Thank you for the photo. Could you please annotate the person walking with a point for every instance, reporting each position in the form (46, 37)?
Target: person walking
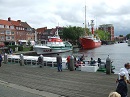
(1, 59)
(122, 85)
(59, 62)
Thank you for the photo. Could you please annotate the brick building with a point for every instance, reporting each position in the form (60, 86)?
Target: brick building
(43, 33)
(108, 28)
(12, 31)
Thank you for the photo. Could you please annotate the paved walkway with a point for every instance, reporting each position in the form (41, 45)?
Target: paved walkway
(47, 82)
(12, 91)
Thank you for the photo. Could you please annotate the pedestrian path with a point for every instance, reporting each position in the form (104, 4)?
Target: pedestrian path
(42, 82)
(13, 90)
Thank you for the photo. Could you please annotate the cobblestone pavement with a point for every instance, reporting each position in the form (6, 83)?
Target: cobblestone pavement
(66, 83)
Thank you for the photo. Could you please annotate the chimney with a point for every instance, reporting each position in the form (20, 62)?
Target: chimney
(19, 21)
(9, 19)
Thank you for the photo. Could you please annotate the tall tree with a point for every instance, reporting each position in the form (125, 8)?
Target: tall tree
(72, 33)
(102, 34)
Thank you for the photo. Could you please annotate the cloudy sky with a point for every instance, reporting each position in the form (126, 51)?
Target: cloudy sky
(50, 13)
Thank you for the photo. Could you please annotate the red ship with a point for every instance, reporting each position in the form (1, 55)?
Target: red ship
(90, 41)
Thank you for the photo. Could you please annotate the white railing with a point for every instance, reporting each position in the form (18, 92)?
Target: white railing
(33, 60)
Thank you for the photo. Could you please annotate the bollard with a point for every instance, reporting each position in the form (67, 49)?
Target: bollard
(5, 58)
(108, 65)
(42, 61)
(71, 67)
(21, 60)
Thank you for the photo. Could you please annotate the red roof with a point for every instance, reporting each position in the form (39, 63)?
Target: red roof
(5, 22)
(10, 22)
(16, 23)
(41, 30)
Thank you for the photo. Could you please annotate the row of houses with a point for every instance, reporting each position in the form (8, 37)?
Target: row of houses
(12, 31)
(16, 31)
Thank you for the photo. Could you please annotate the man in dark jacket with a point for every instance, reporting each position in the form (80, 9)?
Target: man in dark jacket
(59, 62)
(122, 85)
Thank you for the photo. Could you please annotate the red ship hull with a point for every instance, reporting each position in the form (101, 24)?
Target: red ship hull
(89, 43)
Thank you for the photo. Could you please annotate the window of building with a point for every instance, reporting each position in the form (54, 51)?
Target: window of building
(11, 27)
(12, 32)
(2, 32)
(6, 26)
(12, 37)
(17, 28)
(8, 37)
(1, 26)
(2, 38)
(8, 32)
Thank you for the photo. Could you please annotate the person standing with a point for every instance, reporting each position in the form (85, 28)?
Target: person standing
(68, 62)
(10, 51)
(125, 69)
(59, 62)
(1, 59)
(122, 85)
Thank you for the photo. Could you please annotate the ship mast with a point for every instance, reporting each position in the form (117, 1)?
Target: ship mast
(56, 33)
(85, 19)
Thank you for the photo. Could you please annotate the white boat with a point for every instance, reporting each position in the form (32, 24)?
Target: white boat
(93, 66)
(53, 45)
(128, 42)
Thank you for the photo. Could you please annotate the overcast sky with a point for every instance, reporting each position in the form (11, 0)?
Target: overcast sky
(42, 13)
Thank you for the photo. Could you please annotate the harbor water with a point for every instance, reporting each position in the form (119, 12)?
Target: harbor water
(119, 54)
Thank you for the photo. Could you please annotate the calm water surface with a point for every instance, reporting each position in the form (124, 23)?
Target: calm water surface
(119, 54)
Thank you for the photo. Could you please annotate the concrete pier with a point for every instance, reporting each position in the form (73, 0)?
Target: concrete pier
(66, 83)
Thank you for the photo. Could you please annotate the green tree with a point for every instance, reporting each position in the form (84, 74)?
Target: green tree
(102, 34)
(128, 36)
(72, 33)
(120, 35)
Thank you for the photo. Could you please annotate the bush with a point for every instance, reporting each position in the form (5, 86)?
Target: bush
(20, 48)
(12, 46)
(25, 48)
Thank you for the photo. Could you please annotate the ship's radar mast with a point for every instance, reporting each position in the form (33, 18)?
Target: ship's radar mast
(92, 26)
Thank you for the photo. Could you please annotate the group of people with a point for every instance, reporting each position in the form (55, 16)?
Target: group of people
(122, 81)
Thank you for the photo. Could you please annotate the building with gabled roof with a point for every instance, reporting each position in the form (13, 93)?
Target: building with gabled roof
(12, 31)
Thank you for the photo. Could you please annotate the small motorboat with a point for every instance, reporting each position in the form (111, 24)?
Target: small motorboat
(92, 66)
